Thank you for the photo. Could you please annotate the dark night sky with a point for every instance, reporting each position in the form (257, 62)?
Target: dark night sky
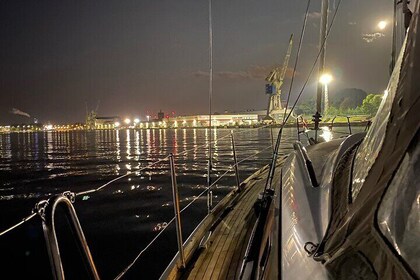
(135, 56)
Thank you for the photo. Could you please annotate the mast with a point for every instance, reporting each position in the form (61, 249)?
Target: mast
(210, 101)
(394, 39)
(322, 45)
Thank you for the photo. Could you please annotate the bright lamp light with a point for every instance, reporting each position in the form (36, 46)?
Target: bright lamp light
(382, 24)
(325, 79)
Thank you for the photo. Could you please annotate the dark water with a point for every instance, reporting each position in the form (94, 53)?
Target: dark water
(120, 220)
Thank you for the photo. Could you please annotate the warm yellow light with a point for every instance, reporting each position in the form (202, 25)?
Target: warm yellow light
(382, 24)
(116, 124)
(127, 121)
(325, 79)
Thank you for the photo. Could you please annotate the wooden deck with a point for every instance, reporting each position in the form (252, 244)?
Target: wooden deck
(222, 259)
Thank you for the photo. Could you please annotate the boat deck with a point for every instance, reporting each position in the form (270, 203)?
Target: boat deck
(222, 259)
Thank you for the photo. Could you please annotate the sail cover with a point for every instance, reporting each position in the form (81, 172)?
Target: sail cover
(357, 242)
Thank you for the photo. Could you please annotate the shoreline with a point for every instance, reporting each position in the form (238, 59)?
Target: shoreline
(288, 125)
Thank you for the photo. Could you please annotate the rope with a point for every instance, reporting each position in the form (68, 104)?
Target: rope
(210, 87)
(24, 220)
(121, 274)
(29, 217)
(217, 139)
(302, 33)
(154, 163)
(279, 135)
(144, 250)
(120, 177)
(316, 60)
(32, 215)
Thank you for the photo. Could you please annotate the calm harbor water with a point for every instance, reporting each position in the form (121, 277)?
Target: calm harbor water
(121, 219)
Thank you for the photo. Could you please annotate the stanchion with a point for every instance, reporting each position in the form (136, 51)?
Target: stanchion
(176, 210)
(235, 160)
(348, 123)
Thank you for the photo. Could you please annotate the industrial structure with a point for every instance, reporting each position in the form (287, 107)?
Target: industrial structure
(273, 88)
(91, 117)
(107, 122)
(225, 120)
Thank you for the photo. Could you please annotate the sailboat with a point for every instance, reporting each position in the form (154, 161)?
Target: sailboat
(349, 208)
(344, 209)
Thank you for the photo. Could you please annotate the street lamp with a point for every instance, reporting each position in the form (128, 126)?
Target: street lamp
(136, 120)
(148, 118)
(325, 79)
(127, 121)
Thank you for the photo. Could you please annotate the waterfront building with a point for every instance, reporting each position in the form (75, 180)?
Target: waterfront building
(107, 122)
(220, 120)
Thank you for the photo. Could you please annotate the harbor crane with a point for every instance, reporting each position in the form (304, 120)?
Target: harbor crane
(91, 117)
(273, 88)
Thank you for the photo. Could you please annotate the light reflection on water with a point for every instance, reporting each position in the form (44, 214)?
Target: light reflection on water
(123, 218)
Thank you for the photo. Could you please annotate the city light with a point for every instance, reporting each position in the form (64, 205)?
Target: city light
(148, 118)
(382, 24)
(117, 124)
(325, 79)
(136, 120)
(127, 121)
(48, 126)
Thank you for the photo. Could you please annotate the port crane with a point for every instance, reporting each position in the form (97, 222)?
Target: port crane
(273, 88)
(91, 117)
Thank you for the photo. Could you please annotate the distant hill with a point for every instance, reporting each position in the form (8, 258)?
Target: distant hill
(348, 98)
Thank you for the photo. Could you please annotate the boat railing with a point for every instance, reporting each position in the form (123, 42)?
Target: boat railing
(303, 128)
(46, 210)
(300, 121)
(348, 122)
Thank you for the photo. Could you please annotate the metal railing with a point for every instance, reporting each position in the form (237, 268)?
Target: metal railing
(348, 122)
(46, 210)
(304, 131)
(300, 122)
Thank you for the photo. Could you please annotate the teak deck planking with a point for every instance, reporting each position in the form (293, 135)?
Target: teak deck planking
(226, 247)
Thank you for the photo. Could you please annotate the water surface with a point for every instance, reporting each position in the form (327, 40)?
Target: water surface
(121, 219)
